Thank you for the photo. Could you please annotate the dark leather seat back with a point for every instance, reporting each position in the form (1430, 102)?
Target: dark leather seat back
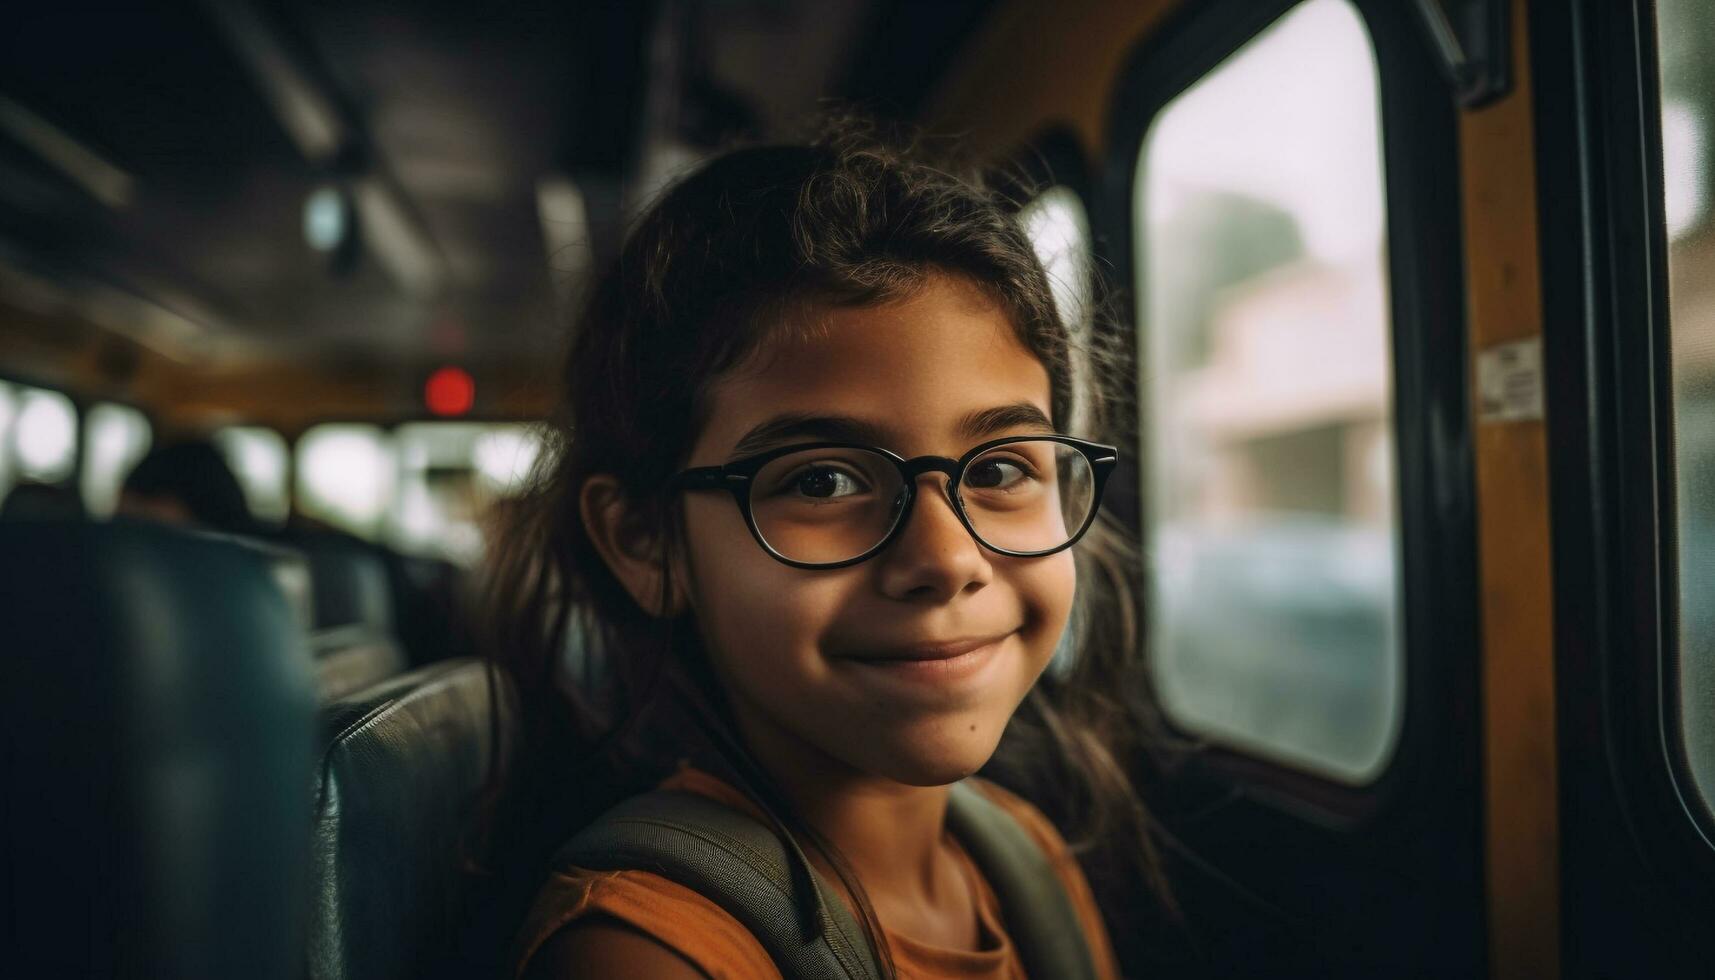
(351, 658)
(400, 793)
(350, 582)
(352, 634)
(159, 722)
(432, 609)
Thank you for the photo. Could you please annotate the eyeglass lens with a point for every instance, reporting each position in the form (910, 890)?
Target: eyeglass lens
(822, 506)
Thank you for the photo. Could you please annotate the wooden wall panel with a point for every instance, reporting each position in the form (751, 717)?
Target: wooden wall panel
(1505, 307)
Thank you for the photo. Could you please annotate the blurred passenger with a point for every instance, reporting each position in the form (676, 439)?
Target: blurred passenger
(188, 483)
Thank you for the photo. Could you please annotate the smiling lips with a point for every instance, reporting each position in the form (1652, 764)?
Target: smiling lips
(938, 650)
(925, 667)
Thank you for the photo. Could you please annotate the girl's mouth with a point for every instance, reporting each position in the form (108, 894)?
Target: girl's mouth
(939, 663)
(933, 650)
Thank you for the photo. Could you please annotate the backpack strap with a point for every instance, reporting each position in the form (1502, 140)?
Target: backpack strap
(741, 865)
(1039, 915)
(736, 862)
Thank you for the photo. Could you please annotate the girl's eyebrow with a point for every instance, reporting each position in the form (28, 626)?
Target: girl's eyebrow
(834, 428)
(844, 428)
(1018, 415)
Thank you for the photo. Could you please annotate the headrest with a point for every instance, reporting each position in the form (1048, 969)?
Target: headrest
(349, 580)
(292, 573)
(400, 794)
(352, 658)
(349, 590)
(431, 608)
(159, 721)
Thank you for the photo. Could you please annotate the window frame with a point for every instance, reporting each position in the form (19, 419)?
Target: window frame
(1432, 420)
(1608, 360)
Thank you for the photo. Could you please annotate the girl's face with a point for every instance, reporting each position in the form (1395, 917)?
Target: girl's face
(804, 654)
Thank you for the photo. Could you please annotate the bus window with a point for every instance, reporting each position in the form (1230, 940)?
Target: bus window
(1687, 52)
(8, 415)
(259, 458)
(1059, 229)
(115, 437)
(449, 474)
(41, 441)
(1058, 226)
(1271, 508)
(345, 476)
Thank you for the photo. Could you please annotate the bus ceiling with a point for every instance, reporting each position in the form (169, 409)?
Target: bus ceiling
(202, 202)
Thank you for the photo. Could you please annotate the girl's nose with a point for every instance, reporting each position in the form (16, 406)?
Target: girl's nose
(934, 558)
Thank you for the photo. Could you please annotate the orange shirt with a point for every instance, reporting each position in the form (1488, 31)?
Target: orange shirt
(703, 933)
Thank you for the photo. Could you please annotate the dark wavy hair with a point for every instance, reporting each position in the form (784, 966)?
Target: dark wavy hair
(848, 219)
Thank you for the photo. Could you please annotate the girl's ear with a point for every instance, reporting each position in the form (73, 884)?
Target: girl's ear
(630, 544)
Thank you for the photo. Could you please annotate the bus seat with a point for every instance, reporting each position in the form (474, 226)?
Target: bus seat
(401, 779)
(352, 630)
(42, 501)
(353, 657)
(160, 720)
(291, 572)
(431, 607)
(349, 581)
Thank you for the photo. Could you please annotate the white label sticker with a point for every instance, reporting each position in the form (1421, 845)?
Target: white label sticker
(1509, 382)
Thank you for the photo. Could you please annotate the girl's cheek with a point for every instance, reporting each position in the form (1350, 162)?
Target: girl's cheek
(1047, 588)
(747, 602)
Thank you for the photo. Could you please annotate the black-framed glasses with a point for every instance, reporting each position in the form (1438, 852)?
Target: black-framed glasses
(833, 504)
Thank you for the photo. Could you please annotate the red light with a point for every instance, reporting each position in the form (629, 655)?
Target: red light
(449, 391)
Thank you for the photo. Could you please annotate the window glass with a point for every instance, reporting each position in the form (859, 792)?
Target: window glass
(450, 473)
(346, 476)
(8, 416)
(1058, 226)
(1059, 229)
(1687, 49)
(1267, 412)
(259, 459)
(115, 437)
(43, 441)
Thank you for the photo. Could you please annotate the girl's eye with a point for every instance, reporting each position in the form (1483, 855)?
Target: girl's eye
(997, 473)
(825, 483)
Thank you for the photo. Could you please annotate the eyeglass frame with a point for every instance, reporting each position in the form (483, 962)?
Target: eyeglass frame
(738, 475)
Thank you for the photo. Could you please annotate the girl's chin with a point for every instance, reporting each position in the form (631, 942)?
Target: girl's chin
(921, 765)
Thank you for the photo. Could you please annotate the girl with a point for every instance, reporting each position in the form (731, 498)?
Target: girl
(812, 506)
